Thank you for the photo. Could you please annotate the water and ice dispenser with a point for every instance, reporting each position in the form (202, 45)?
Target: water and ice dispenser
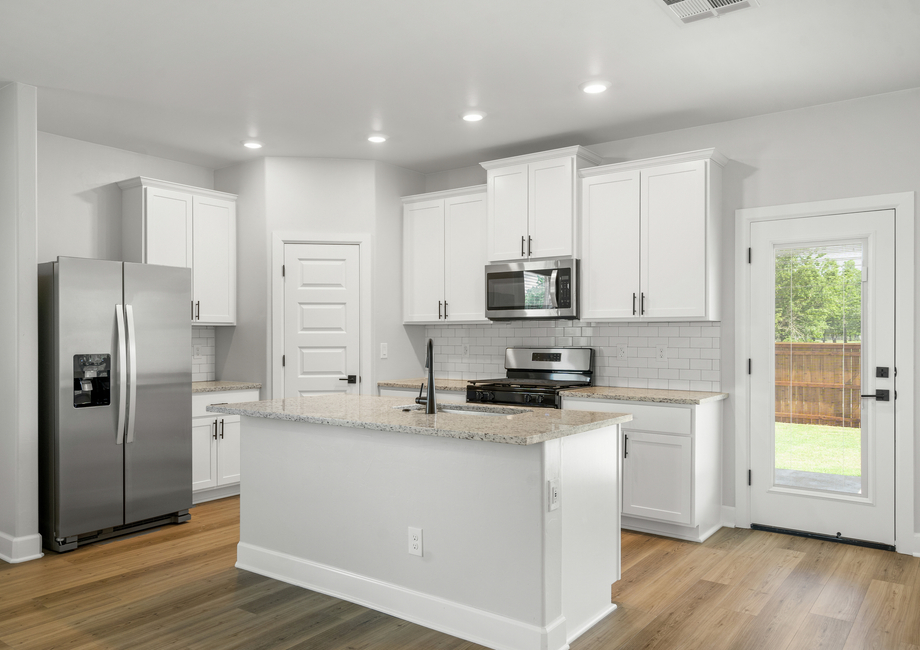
(91, 380)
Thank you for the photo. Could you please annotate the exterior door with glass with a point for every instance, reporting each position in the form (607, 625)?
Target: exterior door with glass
(822, 375)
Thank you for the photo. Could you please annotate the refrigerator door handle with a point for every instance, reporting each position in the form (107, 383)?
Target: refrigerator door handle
(132, 370)
(122, 374)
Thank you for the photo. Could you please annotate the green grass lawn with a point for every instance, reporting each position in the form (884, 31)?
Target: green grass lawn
(814, 448)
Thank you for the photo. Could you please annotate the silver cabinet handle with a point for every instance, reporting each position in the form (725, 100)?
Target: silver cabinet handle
(122, 374)
(439, 310)
(634, 303)
(522, 246)
(132, 372)
(221, 428)
(197, 310)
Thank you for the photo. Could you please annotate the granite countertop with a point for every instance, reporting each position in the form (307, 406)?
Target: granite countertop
(458, 385)
(662, 396)
(518, 426)
(218, 386)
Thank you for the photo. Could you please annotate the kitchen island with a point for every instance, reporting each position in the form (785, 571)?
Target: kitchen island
(517, 512)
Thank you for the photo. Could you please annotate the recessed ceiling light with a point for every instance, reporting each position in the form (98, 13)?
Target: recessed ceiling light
(252, 144)
(377, 137)
(595, 87)
(473, 116)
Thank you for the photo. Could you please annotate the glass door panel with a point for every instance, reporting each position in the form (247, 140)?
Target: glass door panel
(819, 440)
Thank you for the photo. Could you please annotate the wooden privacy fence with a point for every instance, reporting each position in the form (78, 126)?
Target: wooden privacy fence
(818, 383)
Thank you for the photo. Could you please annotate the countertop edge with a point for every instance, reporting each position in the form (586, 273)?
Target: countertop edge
(221, 387)
(615, 418)
(614, 397)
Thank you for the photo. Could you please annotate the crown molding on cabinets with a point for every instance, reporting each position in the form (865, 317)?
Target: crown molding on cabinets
(644, 163)
(577, 151)
(444, 194)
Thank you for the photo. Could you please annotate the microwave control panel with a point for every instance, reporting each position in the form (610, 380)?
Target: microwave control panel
(564, 297)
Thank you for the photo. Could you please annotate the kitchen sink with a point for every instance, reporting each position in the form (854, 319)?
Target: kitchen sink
(468, 409)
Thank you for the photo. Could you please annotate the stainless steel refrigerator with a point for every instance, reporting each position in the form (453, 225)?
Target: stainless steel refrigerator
(115, 399)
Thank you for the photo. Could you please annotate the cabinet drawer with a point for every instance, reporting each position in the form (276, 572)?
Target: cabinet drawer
(669, 419)
(202, 400)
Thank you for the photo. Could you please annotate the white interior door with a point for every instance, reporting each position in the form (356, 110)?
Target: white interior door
(822, 335)
(321, 319)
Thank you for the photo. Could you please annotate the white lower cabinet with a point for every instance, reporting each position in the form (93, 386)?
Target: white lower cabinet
(671, 466)
(216, 445)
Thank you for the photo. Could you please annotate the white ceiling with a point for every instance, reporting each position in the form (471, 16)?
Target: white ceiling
(190, 79)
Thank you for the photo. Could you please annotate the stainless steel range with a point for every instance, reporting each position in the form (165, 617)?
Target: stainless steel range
(535, 377)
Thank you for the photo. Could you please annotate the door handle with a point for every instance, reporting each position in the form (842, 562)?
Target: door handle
(351, 379)
(445, 310)
(625, 445)
(197, 310)
(215, 429)
(439, 310)
(634, 303)
(529, 242)
(221, 428)
(132, 372)
(881, 395)
(522, 246)
(642, 305)
(553, 282)
(122, 374)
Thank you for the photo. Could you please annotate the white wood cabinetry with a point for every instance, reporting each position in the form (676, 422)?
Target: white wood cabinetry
(672, 470)
(533, 204)
(444, 256)
(651, 238)
(177, 225)
(216, 445)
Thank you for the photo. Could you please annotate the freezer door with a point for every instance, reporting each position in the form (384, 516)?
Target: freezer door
(158, 440)
(87, 493)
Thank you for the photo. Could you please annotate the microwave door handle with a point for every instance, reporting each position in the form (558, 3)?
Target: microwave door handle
(553, 279)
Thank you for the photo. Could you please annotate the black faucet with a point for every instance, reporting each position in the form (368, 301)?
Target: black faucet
(429, 401)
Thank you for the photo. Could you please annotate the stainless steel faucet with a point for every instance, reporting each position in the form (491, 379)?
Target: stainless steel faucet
(429, 400)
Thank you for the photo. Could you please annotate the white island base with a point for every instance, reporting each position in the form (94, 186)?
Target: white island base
(328, 508)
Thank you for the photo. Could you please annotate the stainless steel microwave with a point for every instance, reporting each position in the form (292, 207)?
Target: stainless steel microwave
(545, 289)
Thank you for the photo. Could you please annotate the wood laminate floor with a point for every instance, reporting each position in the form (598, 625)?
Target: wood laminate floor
(176, 587)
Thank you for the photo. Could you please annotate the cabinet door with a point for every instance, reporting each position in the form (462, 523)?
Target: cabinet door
(228, 450)
(507, 213)
(168, 232)
(465, 257)
(423, 261)
(657, 476)
(551, 208)
(214, 260)
(204, 453)
(610, 246)
(673, 250)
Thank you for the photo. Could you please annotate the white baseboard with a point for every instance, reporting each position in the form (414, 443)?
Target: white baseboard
(436, 613)
(677, 531)
(20, 549)
(728, 516)
(212, 494)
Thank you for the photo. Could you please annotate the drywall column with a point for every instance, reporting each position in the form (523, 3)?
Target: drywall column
(19, 538)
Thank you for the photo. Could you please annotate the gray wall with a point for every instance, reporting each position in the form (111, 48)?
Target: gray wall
(19, 539)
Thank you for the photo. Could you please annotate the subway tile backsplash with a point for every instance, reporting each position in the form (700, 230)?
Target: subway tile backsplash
(691, 350)
(203, 366)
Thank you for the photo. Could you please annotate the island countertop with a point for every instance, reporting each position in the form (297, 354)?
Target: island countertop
(518, 426)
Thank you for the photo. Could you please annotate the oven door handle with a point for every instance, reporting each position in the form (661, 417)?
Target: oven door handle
(553, 279)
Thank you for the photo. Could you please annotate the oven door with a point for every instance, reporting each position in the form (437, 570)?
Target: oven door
(534, 289)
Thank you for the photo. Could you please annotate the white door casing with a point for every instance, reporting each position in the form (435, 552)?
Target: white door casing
(869, 513)
(321, 318)
(903, 204)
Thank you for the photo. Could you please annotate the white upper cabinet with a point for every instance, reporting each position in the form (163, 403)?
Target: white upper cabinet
(533, 204)
(444, 256)
(177, 225)
(651, 239)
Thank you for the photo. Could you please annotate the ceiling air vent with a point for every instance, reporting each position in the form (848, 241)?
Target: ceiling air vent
(688, 11)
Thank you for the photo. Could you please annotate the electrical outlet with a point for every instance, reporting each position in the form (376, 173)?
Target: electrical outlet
(553, 485)
(661, 352)
(621, 352)
(197, 351)
(415, 541)
(383, 350)
(466, 350)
